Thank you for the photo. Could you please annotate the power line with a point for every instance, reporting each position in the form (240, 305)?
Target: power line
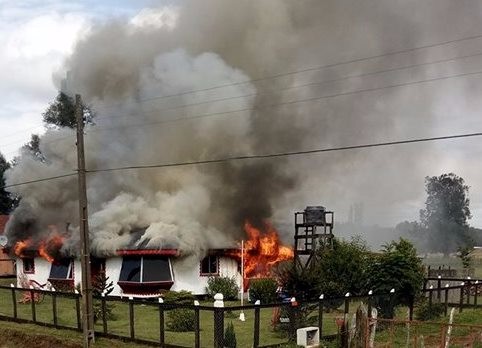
(310, 84)
(254, 157)
(39, 180)
(282, 103)
(291, 73)
(268, 106)
(291, 153)
(321, 67)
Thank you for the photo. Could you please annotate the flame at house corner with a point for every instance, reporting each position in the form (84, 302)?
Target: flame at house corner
(49, 249)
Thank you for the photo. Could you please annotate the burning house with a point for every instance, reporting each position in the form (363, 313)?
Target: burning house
(140, 270)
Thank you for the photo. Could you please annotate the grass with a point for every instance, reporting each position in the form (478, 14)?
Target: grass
(16, 335)
(146, 319)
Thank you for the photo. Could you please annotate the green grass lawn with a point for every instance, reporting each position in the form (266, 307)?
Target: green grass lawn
(146, 319)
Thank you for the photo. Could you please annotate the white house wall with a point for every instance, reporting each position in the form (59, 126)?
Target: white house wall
(186, 273)
(113, 267)
(41, 274)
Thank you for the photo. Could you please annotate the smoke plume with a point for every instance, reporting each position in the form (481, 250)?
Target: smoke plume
(121, 69)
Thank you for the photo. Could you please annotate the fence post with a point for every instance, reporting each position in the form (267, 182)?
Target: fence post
(468, 290)
(430, 293)
(197, 334)
(104, 318)
(54, 306)
(461, 302)
(370, 294)
(161, 323)
(410, 307)
(320, 315)
(446, 299)
(77, 309)
(439, 289)
(14, 301)
(476, 292)
(292, 318)
(344, 334)
(218, 321)
(32, 301)
(256, 324)
(131, 316)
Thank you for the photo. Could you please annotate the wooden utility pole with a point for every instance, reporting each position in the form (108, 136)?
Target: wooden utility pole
(87, 312)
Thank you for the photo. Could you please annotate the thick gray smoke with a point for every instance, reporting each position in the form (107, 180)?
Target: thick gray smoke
(127, 66)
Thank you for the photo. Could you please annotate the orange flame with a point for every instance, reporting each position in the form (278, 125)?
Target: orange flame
(262, 251)
(46, 248)
(20, 246)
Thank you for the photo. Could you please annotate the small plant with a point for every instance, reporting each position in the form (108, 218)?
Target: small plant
(427, 311)
(180, 319)
(223, 285)
(230, 336)
(465, 255)
(263, 290)
(102, 285)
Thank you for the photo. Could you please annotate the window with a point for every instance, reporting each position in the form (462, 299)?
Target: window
(61, 269)
(209, 266)
(144, 274)
(28, 265)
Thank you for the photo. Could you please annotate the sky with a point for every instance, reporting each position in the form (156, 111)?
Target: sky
(37, 36)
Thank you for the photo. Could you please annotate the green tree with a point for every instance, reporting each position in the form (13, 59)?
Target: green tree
(61, 112)
(399, 268)
(446, 212)
(342, 269)
(6, 201)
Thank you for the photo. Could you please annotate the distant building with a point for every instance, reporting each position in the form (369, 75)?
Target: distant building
(7, 264)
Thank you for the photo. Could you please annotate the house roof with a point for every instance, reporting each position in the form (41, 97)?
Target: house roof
(3, 223)
(139, 246)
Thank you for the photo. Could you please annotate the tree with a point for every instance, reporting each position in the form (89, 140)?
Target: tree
(399, 268)
(446, 212)
(6, 202)
(333, 273)
(61, 113)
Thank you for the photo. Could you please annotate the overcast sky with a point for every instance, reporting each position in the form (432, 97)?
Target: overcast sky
(36, 36)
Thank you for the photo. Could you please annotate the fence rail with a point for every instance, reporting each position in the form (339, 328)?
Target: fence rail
(146, 320)
(267, 325)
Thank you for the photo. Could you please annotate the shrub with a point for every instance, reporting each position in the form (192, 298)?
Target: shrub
(180, 319)
(102, 285)
(224, 285)
(427, 311)
(230, 336)
(179, 297)
(263, 290)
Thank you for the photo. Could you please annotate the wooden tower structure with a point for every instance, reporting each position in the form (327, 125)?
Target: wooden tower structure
(313, 229)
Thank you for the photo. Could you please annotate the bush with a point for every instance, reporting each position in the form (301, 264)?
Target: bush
(230, 336)
(179, 297)
(224, 285)
(263, 290)
(427, 311)
(181, 319)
